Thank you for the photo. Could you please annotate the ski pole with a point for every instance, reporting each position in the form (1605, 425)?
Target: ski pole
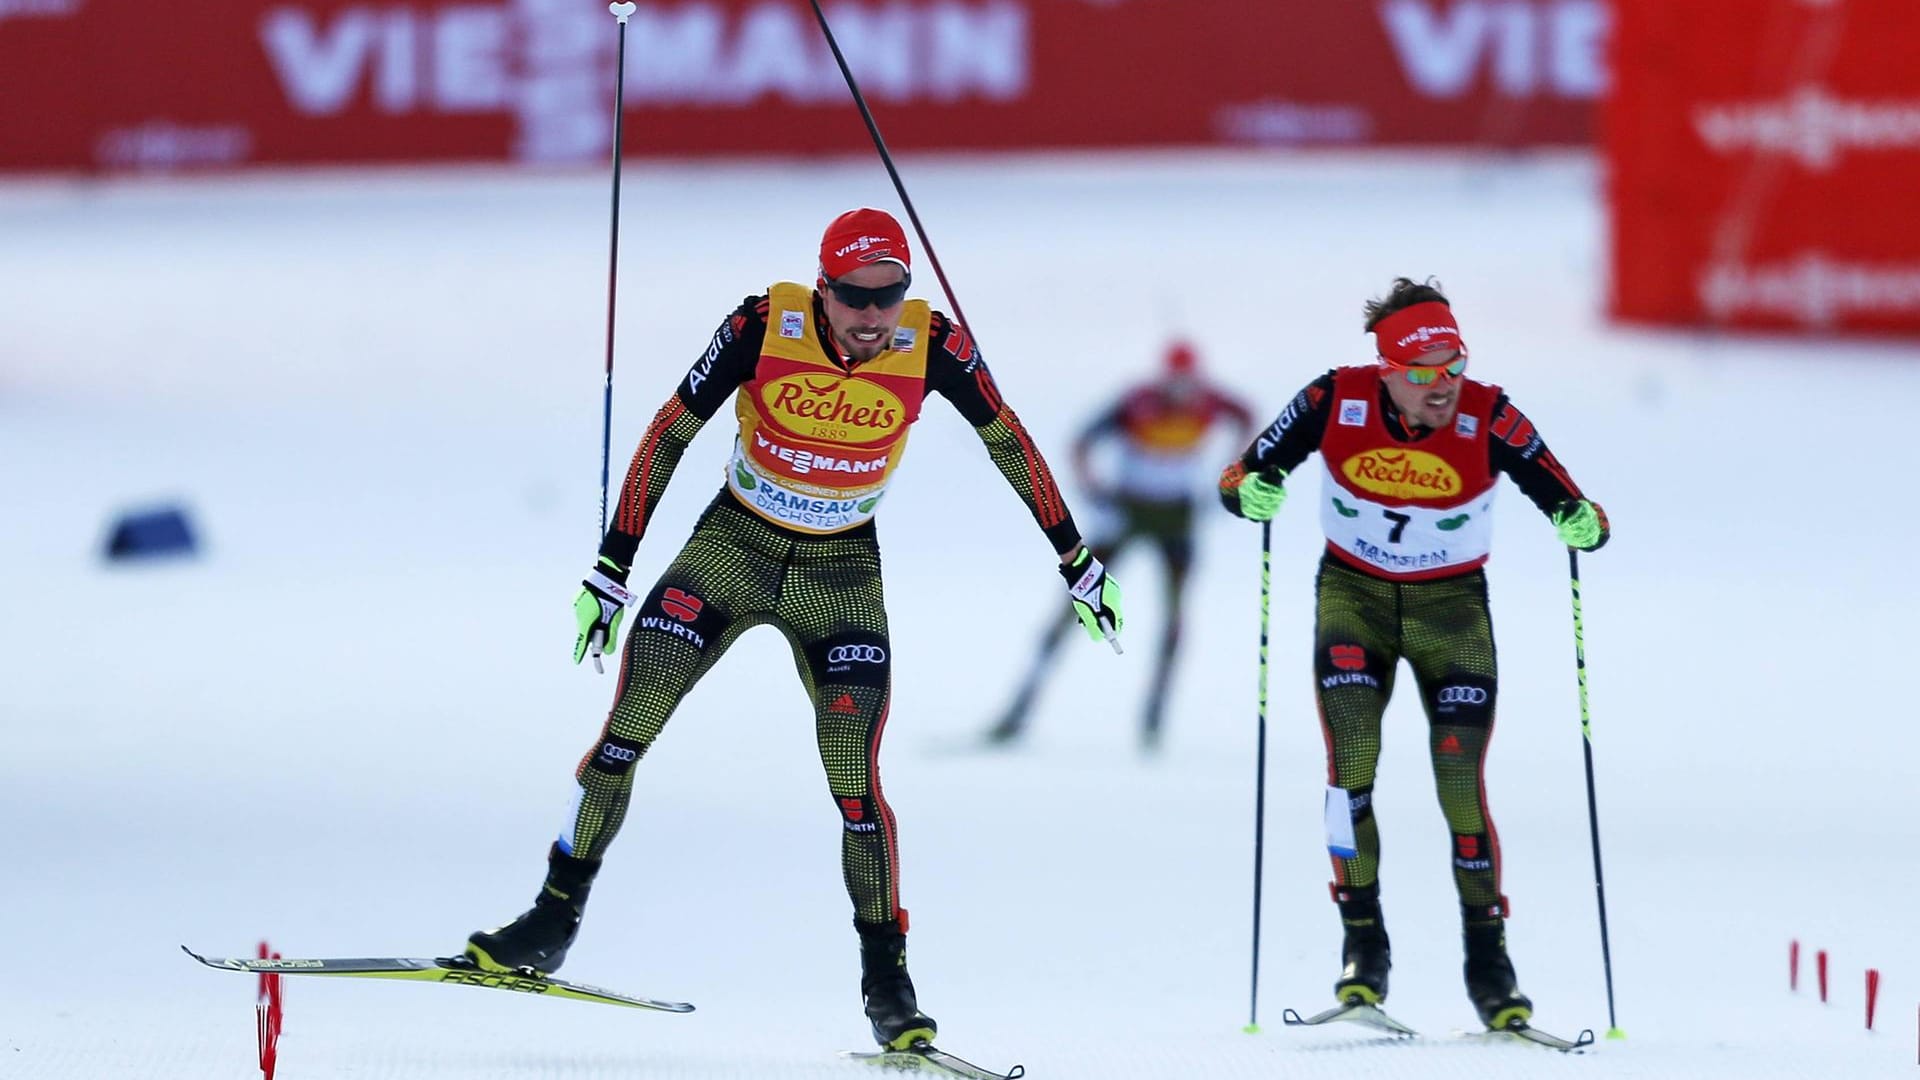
(1593, 810)
(621, 12)
(880, 144)
(1260, 775)
(1107, 629)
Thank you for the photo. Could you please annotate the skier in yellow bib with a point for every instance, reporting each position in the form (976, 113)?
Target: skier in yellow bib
(826, 383)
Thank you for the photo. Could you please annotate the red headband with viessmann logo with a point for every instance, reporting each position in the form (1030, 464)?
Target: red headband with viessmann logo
(1406, 336)
(860, 238)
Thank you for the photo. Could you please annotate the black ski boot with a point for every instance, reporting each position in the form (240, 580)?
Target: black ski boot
(1490, 979)
(538, 940)
(887, 990)
(1366, 953)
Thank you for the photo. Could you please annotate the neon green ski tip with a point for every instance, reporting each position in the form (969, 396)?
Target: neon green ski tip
(1619, 1034)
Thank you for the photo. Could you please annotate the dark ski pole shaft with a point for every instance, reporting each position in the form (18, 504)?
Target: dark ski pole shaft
(1260, 774)
(900, 188)
(1593, 806)
(880, 144)
(621, 12)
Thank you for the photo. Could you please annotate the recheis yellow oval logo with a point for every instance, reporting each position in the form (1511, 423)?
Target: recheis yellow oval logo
(1402, 474)
(830, 407)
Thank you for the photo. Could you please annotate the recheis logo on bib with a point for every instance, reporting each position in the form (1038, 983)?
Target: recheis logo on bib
(1406, 475)
(826, 406)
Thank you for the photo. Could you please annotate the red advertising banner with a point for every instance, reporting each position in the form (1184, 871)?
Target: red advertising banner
(1763, 163)
(94, 86)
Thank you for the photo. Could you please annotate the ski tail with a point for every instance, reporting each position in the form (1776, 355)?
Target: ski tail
(1524, 1032)
(1351, 1012)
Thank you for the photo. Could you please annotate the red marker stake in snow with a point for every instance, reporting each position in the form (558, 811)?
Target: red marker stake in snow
(266, 1016)
(1820, 962)
(269, 1039)
(1873, 994)
(1793, 965)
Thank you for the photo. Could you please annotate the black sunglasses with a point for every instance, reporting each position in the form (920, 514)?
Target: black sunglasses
(859, 297)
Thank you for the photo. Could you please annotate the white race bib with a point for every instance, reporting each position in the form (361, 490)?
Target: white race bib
(1398, 539)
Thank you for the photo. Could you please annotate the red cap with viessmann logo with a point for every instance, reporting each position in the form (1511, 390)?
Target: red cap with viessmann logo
(1407, 337)
(862, 237)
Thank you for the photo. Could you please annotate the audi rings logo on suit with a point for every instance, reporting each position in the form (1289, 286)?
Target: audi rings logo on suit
(856, 654)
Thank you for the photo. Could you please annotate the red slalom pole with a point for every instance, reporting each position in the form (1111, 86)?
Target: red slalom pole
(1820, 961)
(1873, 994)
(1793, 965)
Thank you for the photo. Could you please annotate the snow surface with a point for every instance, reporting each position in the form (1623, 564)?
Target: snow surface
(349, 728)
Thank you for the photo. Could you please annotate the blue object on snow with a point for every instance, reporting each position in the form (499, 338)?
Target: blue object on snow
(163, 532)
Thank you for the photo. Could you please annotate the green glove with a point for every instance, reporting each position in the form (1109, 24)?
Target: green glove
(1096, 597)
(1254, 496)
(598, 609)
(1581, 524)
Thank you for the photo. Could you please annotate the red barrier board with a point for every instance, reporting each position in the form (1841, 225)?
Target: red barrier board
(91, 85)
(1763, 161)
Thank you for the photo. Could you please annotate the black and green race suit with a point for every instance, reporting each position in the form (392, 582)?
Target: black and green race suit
(823, 592)
(1366, 623)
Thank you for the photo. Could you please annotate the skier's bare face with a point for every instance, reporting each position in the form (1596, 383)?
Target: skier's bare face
(1430, 406)
(866, 331)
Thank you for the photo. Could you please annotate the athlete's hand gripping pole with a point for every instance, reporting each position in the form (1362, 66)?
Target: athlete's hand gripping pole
(1096, 597)
(1255, 496)
(1582, 524)
(598, 609)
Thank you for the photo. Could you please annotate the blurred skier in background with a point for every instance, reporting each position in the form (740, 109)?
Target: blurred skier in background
(829, 379)
(1160, 428)
(1412, 451)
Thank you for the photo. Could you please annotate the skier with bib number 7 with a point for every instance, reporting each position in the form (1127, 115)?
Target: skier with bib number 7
(825, 382)
(1413, 450)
